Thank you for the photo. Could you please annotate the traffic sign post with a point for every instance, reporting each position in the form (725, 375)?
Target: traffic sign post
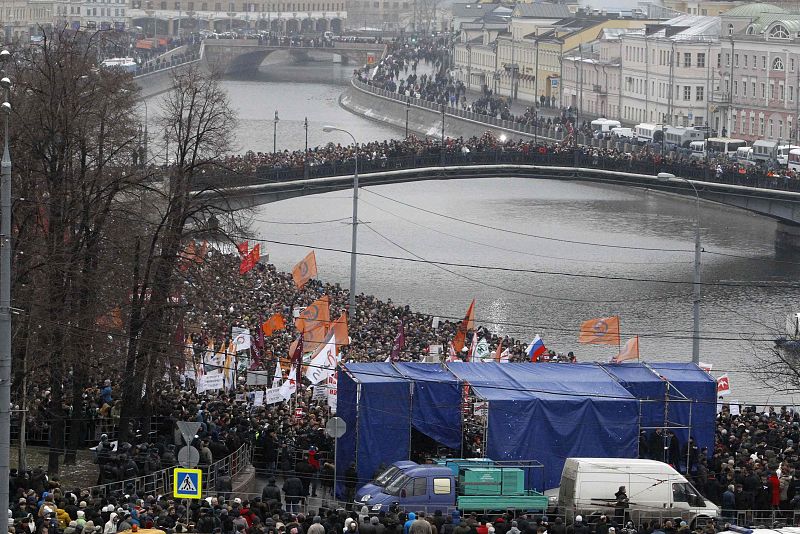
(187, 483)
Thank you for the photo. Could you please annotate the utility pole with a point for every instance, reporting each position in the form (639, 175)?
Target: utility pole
(305, 154)
(275, 132)
(5, 301)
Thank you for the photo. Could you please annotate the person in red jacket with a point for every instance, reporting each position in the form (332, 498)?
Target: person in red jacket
(774, 490)
(313, 461)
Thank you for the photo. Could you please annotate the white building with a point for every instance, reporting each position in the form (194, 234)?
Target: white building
(665, 73)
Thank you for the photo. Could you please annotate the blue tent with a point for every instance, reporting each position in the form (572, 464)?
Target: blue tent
(541, 412)
(381, 402)
(544, 412)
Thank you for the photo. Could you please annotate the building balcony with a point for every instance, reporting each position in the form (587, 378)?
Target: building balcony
(600, 90)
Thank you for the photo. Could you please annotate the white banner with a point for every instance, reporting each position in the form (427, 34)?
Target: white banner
(257, 378)
(258, 398)
(241, 338)
(331, 390)
(273, 396)
(320, 392)
(323, 363)
(210, 382)
(289, 387)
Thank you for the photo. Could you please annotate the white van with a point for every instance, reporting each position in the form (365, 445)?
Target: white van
(794, 160)
(744, 156)
(655, 490)
(622, 133)
(649, 133)
(782, 154)
(602, 127)
(698, 149)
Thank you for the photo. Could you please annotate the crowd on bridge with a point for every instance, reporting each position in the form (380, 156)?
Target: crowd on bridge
(412, 152)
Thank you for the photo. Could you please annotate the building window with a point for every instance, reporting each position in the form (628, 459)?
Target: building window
(778, 32)
(735, 88)
(764, 62)
(699, 92)
(701, 60)
(745, 60)
(777, 63)
(772, 91)
(730, 29)
(791, 93)
(761, 125)
(771, 128)
(687, 59)
(727, 60)
(687, 92)
(752, 124)
(736, 60)
(763, 90)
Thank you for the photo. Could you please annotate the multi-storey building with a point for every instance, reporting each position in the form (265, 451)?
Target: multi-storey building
(22, 19)
(758, 74)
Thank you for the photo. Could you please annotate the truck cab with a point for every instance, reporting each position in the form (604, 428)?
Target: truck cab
(384, 477)
(415, 486)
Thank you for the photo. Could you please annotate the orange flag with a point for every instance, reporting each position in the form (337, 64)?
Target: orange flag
(305, 270)
(602, 331)
(467, 324)
(314, 322)
(629, 352)
(273, 324)
(340, 332)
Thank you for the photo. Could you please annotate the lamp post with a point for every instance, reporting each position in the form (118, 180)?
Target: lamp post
(442, 146)
(5, 299)
(667, 177)
(305, 154)
(351, 309)
(275, 132)
(408, 108)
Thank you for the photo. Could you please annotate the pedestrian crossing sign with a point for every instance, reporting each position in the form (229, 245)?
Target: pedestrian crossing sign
(187, 483)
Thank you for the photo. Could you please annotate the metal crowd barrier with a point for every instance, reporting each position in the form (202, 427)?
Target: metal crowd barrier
(160, 482)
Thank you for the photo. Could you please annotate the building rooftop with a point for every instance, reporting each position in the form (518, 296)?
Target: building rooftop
(541, 10)
(683, 28)
(753, 10)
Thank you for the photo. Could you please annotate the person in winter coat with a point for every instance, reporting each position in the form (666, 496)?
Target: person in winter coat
(578, 527)
(271, 492)
(293, 494)
(111, 525)
(407, 525)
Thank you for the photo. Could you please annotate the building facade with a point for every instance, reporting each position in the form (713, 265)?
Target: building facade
(758, 69)
(22, 19)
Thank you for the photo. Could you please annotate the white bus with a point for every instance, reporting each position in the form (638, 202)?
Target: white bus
(649, 133)
(724, 145)
(794, 159)
(765, 150)
(678, 136)
(744, 155)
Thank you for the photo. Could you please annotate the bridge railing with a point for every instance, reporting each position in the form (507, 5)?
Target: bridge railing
(251, 173)
(553, 133)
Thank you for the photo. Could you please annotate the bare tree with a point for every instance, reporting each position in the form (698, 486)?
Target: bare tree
(199, 125)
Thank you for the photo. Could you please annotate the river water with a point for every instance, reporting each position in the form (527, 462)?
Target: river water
(419, 221)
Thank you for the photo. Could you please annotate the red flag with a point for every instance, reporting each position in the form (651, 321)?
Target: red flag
(399, 342)
(723, 385)
(250, 260)
(296, 358)
(243, 248)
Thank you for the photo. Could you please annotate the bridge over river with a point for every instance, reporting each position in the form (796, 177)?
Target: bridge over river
(236, 55)
(775, 197)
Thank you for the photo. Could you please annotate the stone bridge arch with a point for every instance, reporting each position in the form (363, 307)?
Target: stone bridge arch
(292, 26)
(322, 25)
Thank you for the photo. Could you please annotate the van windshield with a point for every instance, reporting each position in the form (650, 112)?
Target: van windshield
(394, 487)
(685, 492)
(387, 475)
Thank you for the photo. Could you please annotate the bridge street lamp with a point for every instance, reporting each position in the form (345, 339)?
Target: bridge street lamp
(351, 309)
(668, 177)
(5, 296)
(275, 132)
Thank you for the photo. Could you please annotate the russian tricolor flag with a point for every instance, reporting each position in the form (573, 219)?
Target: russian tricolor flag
(535, 349)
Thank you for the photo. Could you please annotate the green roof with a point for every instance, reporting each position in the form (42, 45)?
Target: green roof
(753, 10)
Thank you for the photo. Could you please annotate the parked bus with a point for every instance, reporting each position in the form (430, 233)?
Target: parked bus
(766, 151)
(649, 133)
(724, 145)
(678, 136)
(698, 149)
(794, 160)
(782, 155)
